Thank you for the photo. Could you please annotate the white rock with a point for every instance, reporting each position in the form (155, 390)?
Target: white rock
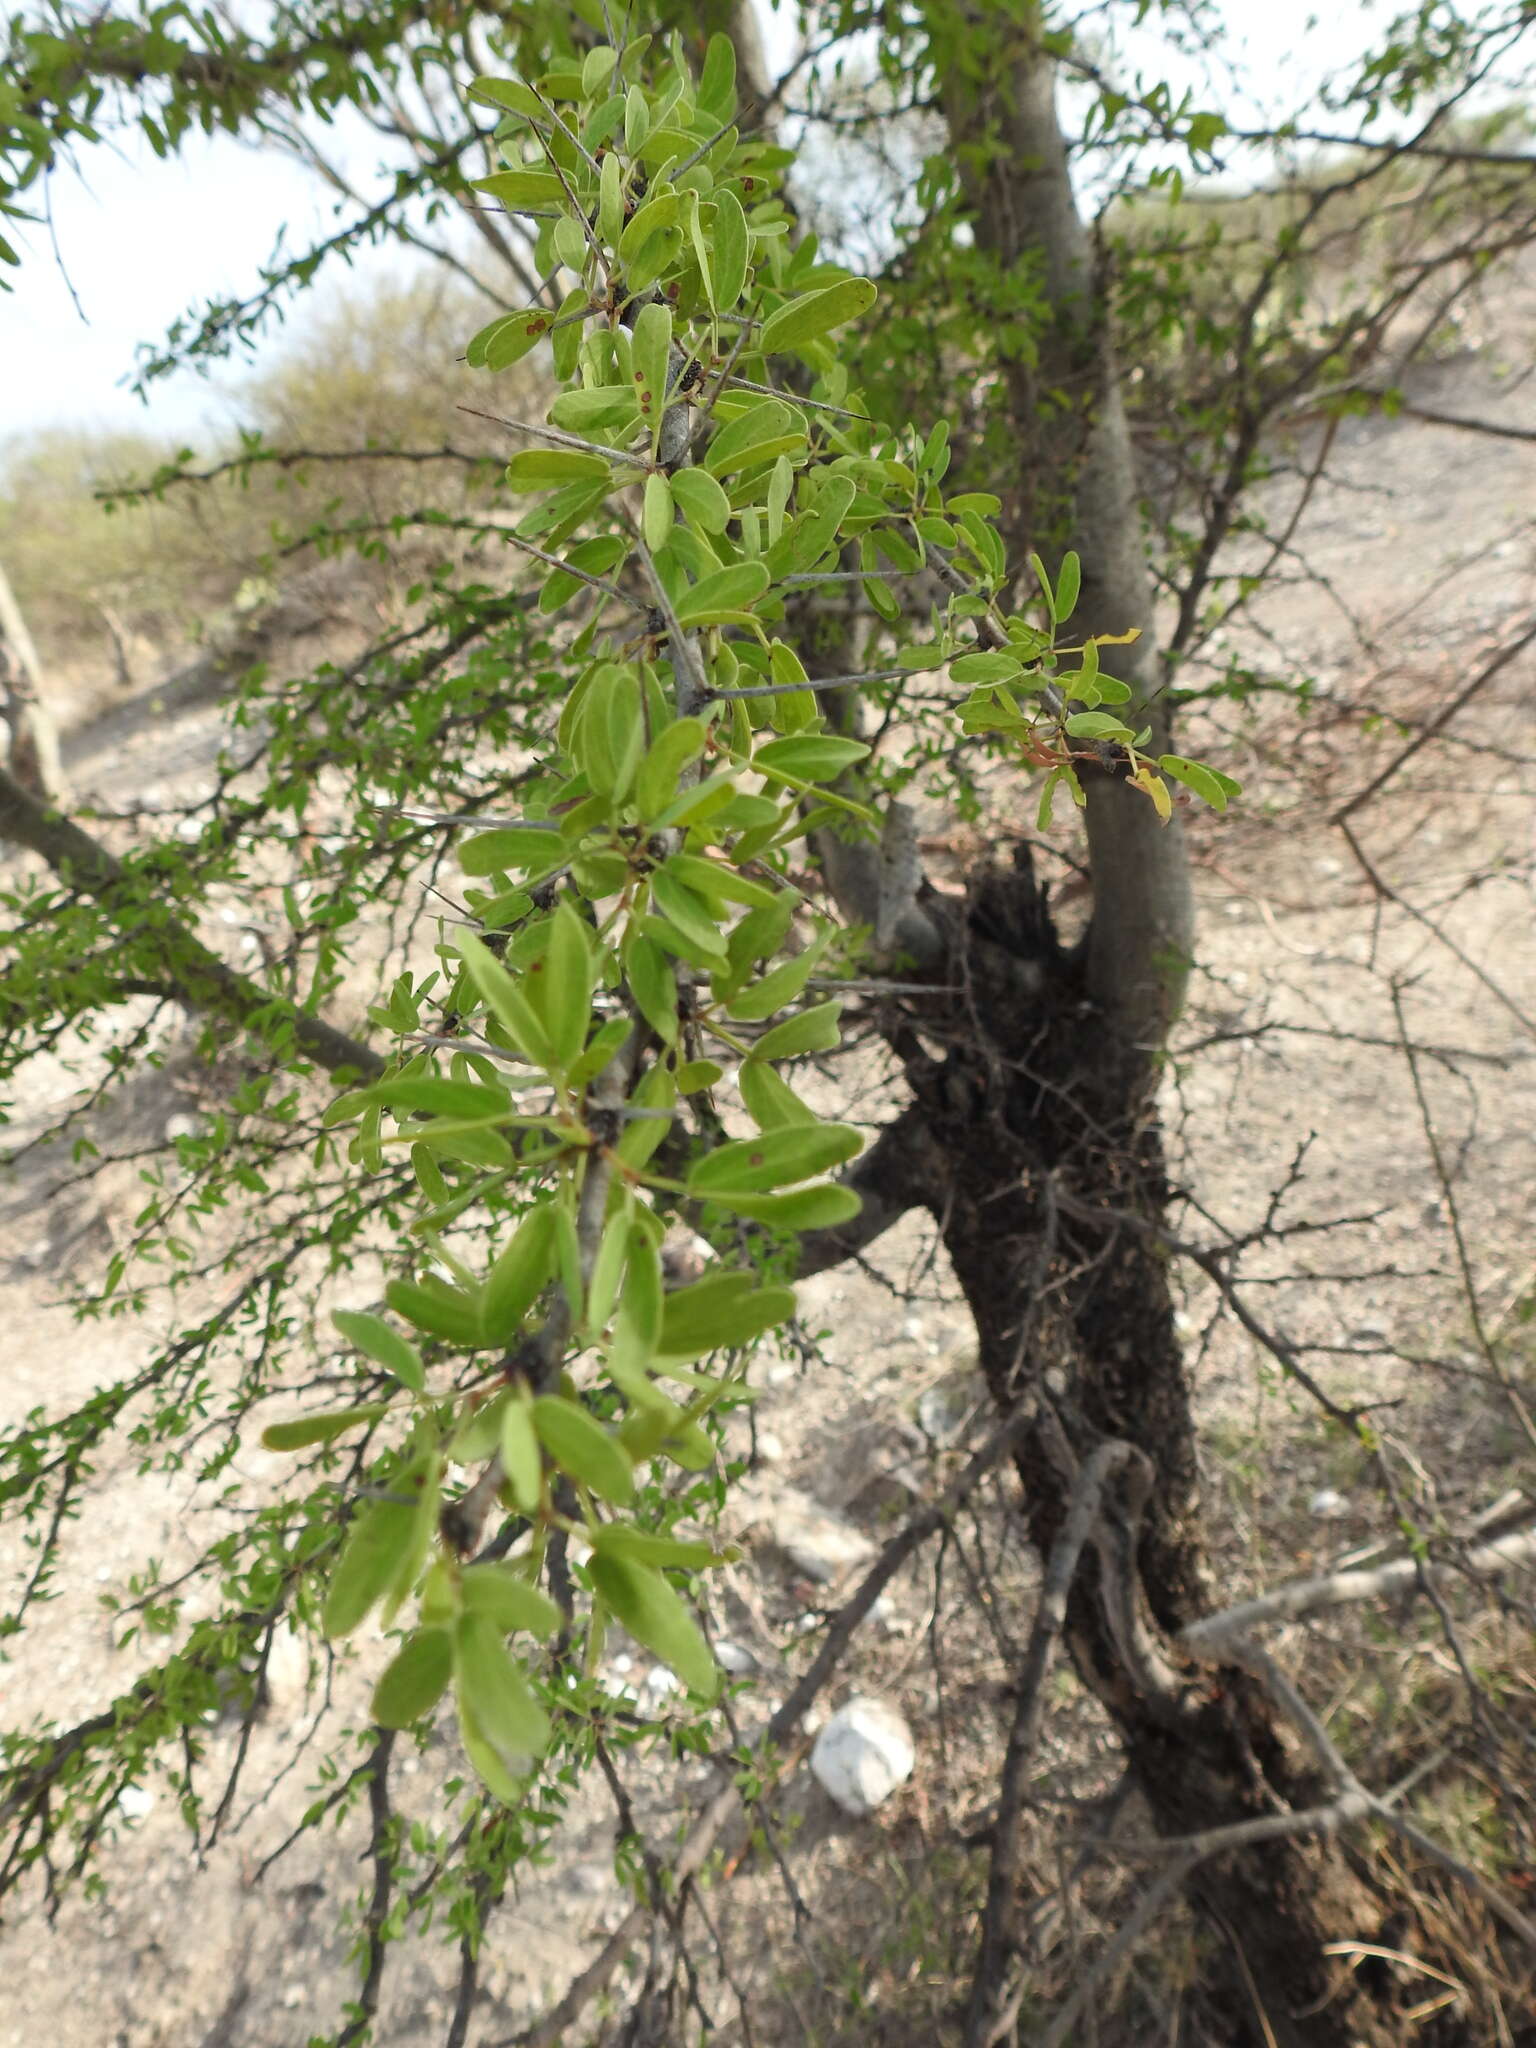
(287, 1672)
(135, 1801)
(734, 1657)
(770, 1448)
(659, 1684)
(1329, 1503)
(862, 1755)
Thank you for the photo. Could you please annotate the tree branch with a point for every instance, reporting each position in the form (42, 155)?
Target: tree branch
(1340, 1589)
(197, 977)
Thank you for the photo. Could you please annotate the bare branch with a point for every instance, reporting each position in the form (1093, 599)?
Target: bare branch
(1390, 1581)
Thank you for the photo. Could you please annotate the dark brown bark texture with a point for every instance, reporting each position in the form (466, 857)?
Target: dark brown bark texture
(1034, 1089)
(1020, 1099)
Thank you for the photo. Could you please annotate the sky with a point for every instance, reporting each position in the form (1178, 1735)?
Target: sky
(135, 242)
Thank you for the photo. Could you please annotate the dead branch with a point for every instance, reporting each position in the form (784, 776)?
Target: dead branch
(1340, 1589)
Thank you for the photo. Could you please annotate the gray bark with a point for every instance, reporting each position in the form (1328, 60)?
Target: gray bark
(33, 752)
(1140, 940)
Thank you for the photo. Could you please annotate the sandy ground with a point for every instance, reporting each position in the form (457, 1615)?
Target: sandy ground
(1427, 540)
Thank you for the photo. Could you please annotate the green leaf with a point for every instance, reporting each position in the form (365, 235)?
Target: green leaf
(637, 119)
(987, 667)
(564, 984)
(583, 1449)
(522, 191)
(506, 1784)
(816, 313)
(644, 1290)
(605, 406)
(510, 847)
(642, 1135)
(692, 916)
(769, 1100)
(539, 469)
(818, 529)
(822, 1207)
(656, 514)
(657, 213)
(496, 1694)
(523, 1269)
(608, 1269)
(441, 1097)
(813, 1030)
(1097, 725)
(732, 244)
(305, 1430)
(1068, 584)
(506, 1598)
(699, 797)
(809, 757)
(717, 81)
(510, 93)
(520, 1454)
(719, 1313)
(605, 733)
(766, 430)
(723, 596)
(517, 336)
(719, 882)
(650, 350)
(508, 1004)
(457, 1140)
(1208, 783)
(653, 985)
(780, 985)
(655, 1615)
(700, 247)
(595, 69)
(415, 1679)
(623, 1539)
(773, 1159)
(679, 744)
(478, 1433)
(507, 338)
(701, 500)
(442, 1311)
(375, 1554)
(386, 1346)
(570, 243)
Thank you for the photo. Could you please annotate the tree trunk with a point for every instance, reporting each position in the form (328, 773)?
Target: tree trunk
(1046, 1096)
(33, 754)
